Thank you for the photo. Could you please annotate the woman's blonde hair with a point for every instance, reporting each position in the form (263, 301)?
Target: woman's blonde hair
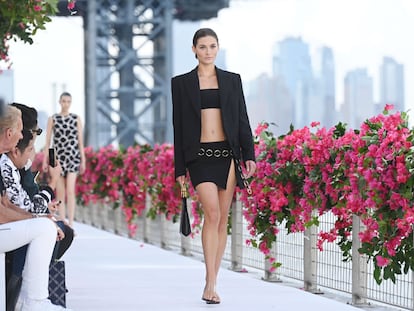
(10, 118)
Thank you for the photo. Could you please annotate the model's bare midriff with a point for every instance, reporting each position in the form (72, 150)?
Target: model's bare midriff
(211, 125)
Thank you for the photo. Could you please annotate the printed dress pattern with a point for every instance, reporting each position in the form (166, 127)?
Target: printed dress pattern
(66, 143)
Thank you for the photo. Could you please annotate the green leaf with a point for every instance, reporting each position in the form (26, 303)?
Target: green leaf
(377, 275)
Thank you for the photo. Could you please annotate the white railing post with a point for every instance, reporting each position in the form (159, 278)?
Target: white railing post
(310, 260)
(100, 221)
(185, 245)
(78, 213)
(104, 215)
(359, 266)
(146, 225)
(117, 221)
(95, 216)
(87, 218)
(237, 235)
(164, 232)
(110, 223)
(269, 274)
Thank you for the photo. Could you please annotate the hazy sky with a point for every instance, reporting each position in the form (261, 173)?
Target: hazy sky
(53, 62)
(360, 32)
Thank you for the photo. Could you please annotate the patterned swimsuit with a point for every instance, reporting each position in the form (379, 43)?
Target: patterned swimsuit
(66, 143)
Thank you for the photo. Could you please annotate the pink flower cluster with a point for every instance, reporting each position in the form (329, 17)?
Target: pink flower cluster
(163, 189)
(124, 178)
(21, 20)
(310, 172)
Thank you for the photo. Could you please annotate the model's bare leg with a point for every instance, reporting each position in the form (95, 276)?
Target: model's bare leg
(60, 195)
(225, 200)
(209, 199)
(70, 196)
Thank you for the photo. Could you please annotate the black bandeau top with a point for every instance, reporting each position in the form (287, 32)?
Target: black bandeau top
(210, 98)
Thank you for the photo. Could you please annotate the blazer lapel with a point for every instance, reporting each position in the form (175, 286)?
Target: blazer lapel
(193, 88)
(223, 88)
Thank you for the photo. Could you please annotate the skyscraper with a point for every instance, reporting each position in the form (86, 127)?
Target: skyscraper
(324, 87)
(358, 98)
(268, 100)
(392, 84)
(292, 65)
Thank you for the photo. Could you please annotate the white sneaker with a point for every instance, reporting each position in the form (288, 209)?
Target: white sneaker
(41, 305)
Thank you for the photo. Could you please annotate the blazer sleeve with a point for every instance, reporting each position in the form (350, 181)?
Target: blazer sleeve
(179, 162)
(245, 131)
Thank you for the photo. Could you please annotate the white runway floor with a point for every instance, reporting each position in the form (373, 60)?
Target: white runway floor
(107, 272)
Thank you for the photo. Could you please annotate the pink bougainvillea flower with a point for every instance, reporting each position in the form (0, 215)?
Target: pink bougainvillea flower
(382, 262)
(389, 107)
(263, 248)
(71, 4)
(260, 128)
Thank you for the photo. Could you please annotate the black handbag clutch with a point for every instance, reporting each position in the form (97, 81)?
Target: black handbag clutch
(185, 226)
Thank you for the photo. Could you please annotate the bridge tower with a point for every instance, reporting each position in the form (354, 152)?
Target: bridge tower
(128, 66)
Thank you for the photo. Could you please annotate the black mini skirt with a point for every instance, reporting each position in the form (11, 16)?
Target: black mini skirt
(212, 164)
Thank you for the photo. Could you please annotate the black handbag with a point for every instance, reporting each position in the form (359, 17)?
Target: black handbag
(185, 226)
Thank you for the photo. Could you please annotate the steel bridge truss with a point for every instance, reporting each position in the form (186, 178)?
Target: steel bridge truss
(128, 69)
(128, 61)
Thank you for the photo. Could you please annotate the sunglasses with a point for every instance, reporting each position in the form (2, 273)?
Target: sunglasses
(37, 131)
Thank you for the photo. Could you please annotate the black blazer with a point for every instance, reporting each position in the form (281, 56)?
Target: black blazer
(186, 101)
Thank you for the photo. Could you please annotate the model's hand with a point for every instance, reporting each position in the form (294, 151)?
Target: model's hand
(181, 180)
(250, 168)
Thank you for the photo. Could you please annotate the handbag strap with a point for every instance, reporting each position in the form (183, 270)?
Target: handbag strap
(244, 179)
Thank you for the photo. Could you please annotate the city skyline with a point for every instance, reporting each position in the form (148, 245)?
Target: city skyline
(298, 93)
(360, 34)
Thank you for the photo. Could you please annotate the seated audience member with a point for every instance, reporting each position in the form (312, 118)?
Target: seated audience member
(16, 159)
(19, 227)
(10, 165)
(29, 117)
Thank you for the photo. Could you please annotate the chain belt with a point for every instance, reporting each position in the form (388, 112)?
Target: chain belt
(217, 153)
